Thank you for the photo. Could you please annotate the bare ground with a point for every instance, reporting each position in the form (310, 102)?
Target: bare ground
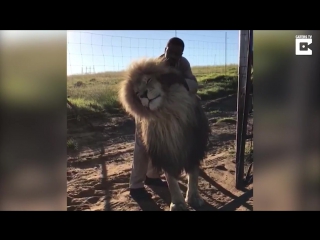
(98, 172)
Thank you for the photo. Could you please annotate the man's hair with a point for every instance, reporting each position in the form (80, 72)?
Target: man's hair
(176, 41)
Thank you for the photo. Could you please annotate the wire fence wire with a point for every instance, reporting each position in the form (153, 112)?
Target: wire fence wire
(95, 52)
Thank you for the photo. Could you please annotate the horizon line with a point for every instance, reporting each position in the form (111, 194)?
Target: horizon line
(119, 71)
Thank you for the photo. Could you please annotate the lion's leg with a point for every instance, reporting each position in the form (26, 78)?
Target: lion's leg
(177, 201)
(193, 197)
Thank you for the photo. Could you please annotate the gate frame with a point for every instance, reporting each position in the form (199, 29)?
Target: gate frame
(243, 95)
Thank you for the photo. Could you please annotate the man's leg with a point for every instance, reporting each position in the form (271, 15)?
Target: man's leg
(141, 167)
(139, 170)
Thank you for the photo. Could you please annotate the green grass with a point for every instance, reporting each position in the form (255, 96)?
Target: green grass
(72, 144)
(96, 93)
(227, 120)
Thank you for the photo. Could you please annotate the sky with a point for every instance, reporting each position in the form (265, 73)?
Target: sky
(113, 50)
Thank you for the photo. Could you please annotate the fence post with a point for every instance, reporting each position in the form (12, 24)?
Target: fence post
(241, 106)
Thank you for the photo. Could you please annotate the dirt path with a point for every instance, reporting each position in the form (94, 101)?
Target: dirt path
(98, 173)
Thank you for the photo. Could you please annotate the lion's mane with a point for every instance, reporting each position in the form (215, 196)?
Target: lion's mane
(176, 135)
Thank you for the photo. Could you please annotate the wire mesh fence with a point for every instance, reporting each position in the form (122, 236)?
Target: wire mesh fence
(96, 60)
(91, 52)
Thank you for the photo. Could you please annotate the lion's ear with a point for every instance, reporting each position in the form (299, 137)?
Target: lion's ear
(168, 79)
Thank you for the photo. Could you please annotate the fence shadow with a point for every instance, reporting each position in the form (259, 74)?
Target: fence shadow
(105, 185)
(237, 201)
(148, 205)
(164, 194)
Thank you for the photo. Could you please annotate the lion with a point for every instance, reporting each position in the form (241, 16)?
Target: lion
(172, 124)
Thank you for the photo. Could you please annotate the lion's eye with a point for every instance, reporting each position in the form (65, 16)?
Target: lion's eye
(149, 80)
(136, 93)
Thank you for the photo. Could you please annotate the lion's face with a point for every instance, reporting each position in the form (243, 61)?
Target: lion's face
(150, 92)
(152, 89)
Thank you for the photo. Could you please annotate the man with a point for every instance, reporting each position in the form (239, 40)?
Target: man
(142, 171)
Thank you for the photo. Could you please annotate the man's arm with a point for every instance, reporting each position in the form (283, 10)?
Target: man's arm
(190, 78)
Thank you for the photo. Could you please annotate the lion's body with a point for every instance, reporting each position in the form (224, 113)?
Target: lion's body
(173, 127)
(177, 141)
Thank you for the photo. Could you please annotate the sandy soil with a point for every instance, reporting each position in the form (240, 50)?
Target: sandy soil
(98, 172)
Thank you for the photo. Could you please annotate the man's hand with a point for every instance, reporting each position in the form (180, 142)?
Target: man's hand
(193, 87)
(190, 78)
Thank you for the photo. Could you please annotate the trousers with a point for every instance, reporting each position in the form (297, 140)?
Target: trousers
(141, 165)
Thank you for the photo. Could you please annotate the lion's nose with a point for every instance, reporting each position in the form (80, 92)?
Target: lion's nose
(144, 95)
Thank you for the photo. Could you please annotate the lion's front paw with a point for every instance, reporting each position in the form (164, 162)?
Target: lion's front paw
(195, 200)
(178, 207)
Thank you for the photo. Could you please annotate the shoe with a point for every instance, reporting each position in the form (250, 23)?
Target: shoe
(155, 182)
(139, 193)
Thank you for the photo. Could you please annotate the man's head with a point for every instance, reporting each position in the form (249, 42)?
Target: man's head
(174, 50)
